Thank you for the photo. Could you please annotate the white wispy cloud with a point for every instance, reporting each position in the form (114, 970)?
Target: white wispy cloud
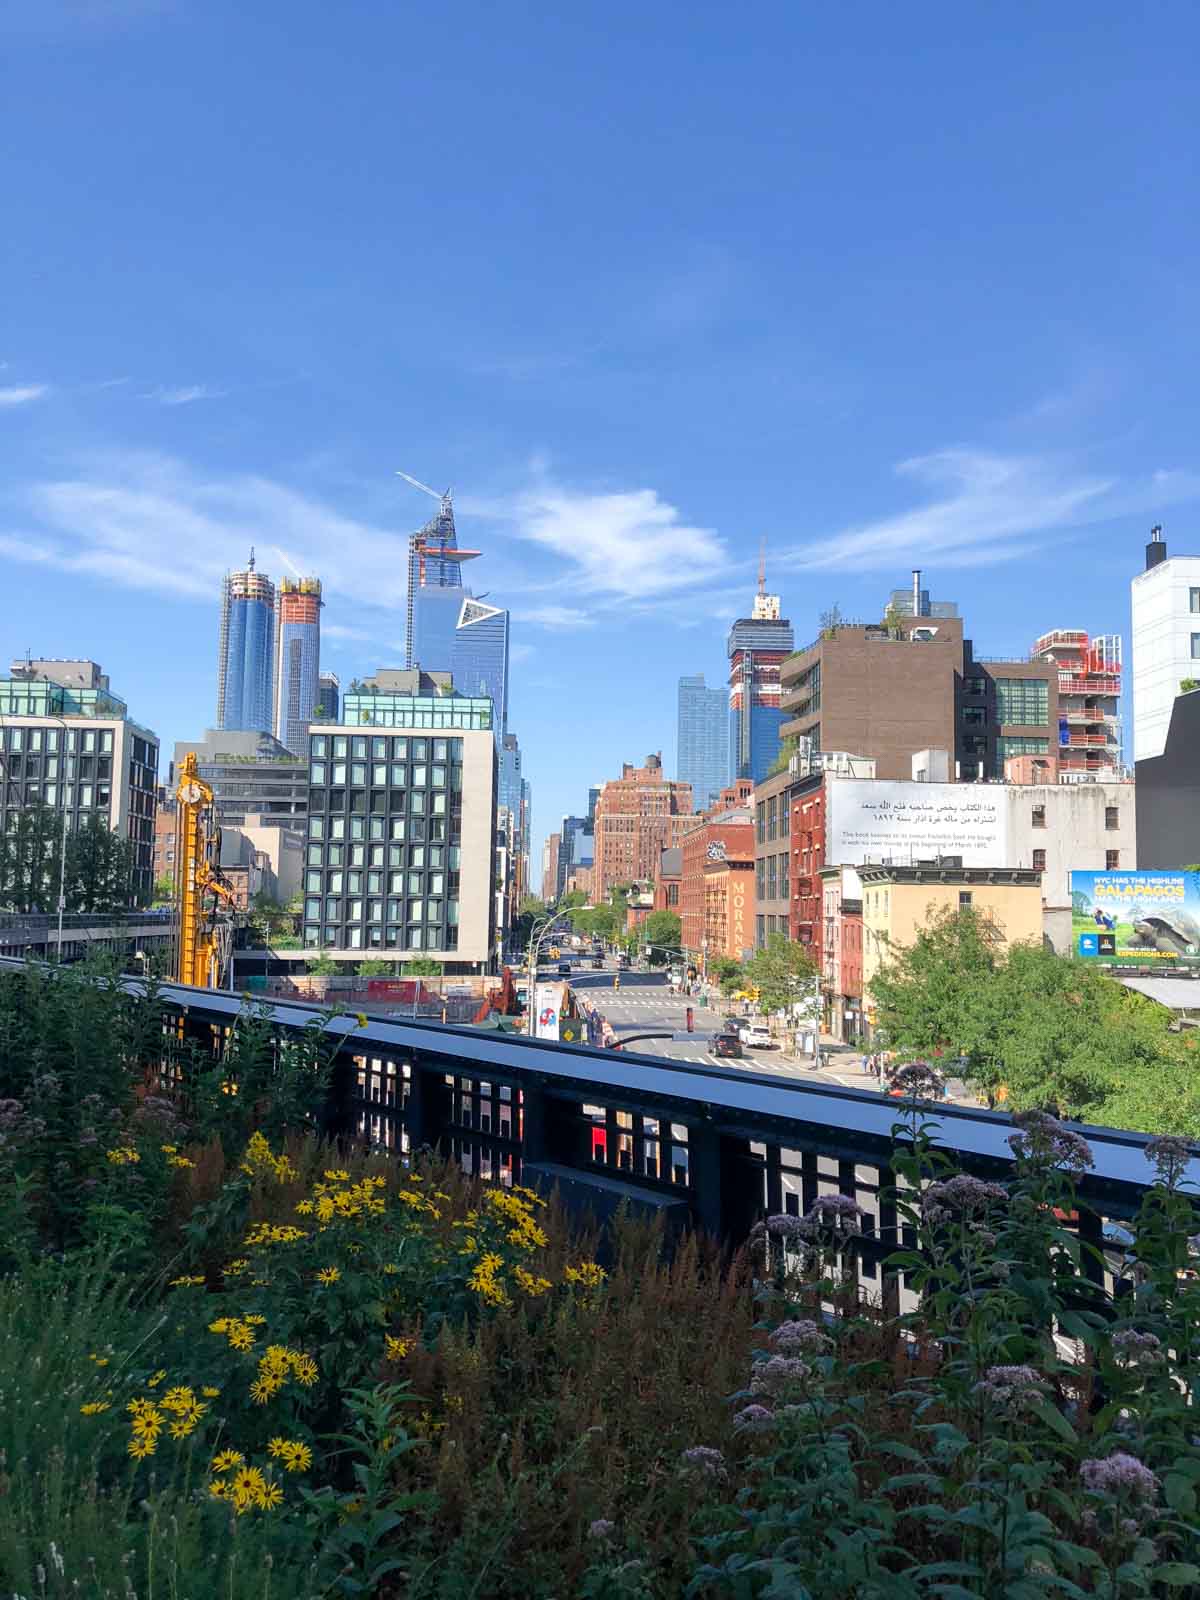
(984, 507)
(184, 394)
(149, 522)
(520, 652)
(553, 616)
(22, 394)
(623, 545)
(339, 630)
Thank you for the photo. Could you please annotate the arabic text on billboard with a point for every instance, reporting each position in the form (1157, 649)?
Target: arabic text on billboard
(905, 822)
(1143, 918)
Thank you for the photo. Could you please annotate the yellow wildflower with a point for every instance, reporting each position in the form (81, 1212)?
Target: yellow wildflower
(123, 1156)
(141, 1446)
(397, 1349)
(484, 1280)
(254, 1320)
(94, 1407)
(218, 1488)
(529, 1284)
(168, 1149)
(306, 1371)
(234, 1267)
(272, 1496)
(209, 1393)
(304, 1208)
(189, 1280)
(101, 1361)
(337, 1175)
(179, 1161)
(224, 1460)
(586, 1273)
(297, 1456)
(328, 1275)
(241, 1337)
(152, 1383)
(262, 1389)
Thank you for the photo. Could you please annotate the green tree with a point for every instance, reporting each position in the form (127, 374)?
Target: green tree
(728, 974)
(99, 868)
(932, 997)
(164, 890)
(422, 967)
(29, 860)
(661, 928)
(572, 898)
(595, 922)
(375, 969)
(322, 966)
(780, 971)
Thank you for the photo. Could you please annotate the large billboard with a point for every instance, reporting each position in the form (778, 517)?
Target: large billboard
(1142, 918)
(904, 822)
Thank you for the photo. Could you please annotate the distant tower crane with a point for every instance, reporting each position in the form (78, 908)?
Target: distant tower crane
(204, 935)
(423, 547)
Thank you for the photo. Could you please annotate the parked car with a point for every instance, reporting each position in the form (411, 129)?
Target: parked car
(598, 963)
(728, 1045)
(735, 1025)
(758, 1036)
(564, 969)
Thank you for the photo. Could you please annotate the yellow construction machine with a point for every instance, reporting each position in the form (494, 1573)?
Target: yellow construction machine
(203, 899)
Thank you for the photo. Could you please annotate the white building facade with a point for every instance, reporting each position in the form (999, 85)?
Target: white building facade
(1165, 601)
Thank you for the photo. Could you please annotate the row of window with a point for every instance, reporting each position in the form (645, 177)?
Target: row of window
(415, 937)
(400, 774)
(417, 829)
(361, 747)
(771, 877)
(398, 911)
(87, 740)
(355, 882)
(378, 855)
(82, 797)
(764, 926)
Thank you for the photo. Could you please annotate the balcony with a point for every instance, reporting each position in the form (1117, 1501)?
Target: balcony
(1097, 741)
(1090, 715)
(1092, 683)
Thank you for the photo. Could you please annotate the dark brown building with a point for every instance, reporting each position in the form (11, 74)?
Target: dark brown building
(911, 682)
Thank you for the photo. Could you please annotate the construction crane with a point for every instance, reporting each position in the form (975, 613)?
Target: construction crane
(203, 937)
(430, 543)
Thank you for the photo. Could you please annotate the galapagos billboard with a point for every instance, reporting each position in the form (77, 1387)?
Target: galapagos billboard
(1136, 918)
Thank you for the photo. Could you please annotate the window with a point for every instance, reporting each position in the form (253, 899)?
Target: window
(1025, 701)
(1112, 818)
(1039, 816)
(1112, 860)
(772, 819)
(964, 899)
(1196, 647)
(976, 687)
(1039, 861)
(974, 717)
(1018, 746)
(1194, 599)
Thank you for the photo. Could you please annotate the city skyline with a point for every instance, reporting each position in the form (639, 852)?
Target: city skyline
(627, 399)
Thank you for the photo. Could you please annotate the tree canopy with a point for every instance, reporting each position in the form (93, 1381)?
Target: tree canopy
(780, 971)
(663, 931)
(99, 864)
(1038, 1029)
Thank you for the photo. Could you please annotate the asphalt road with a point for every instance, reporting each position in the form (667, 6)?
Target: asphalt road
(644, 1004)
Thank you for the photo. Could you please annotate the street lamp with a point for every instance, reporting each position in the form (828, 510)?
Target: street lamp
(535, 944)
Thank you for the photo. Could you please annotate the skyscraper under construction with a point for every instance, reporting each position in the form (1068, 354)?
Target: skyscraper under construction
(297, 661)
(245, 658)
(435, 591)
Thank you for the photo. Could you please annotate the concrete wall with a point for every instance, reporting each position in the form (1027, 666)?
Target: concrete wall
(1075, 835)
(476, 894)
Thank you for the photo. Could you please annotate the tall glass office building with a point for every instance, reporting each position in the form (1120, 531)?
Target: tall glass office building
(297, 660)
(480, 661)
(703, 739)
(435, 592)
(757, 645)
(245, 659)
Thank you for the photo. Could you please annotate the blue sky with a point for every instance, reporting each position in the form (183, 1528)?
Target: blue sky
(886, 285)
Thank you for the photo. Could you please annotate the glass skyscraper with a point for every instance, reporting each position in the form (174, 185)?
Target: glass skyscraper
(703, 739)
(480, 660)
(435, 592)
(297, 660)
(757, 645)
(245, 659)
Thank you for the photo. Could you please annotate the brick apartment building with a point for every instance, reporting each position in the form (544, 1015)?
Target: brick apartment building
(638, 816)
(721, 837)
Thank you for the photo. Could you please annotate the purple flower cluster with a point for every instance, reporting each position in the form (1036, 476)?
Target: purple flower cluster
(602, 1528)
(835, 1214)
(702, 1458)
(960, 1197)
(789, 1338)
(1010, 1390)
(777, 1374)
(1135, 1349)
(1043, 1140)
(754, 1419)
(1120, 1475)
(1170, 1156)
(918, 1080)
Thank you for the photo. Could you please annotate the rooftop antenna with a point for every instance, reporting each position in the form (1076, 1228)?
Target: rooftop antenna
(251, 558)
(762, 567)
